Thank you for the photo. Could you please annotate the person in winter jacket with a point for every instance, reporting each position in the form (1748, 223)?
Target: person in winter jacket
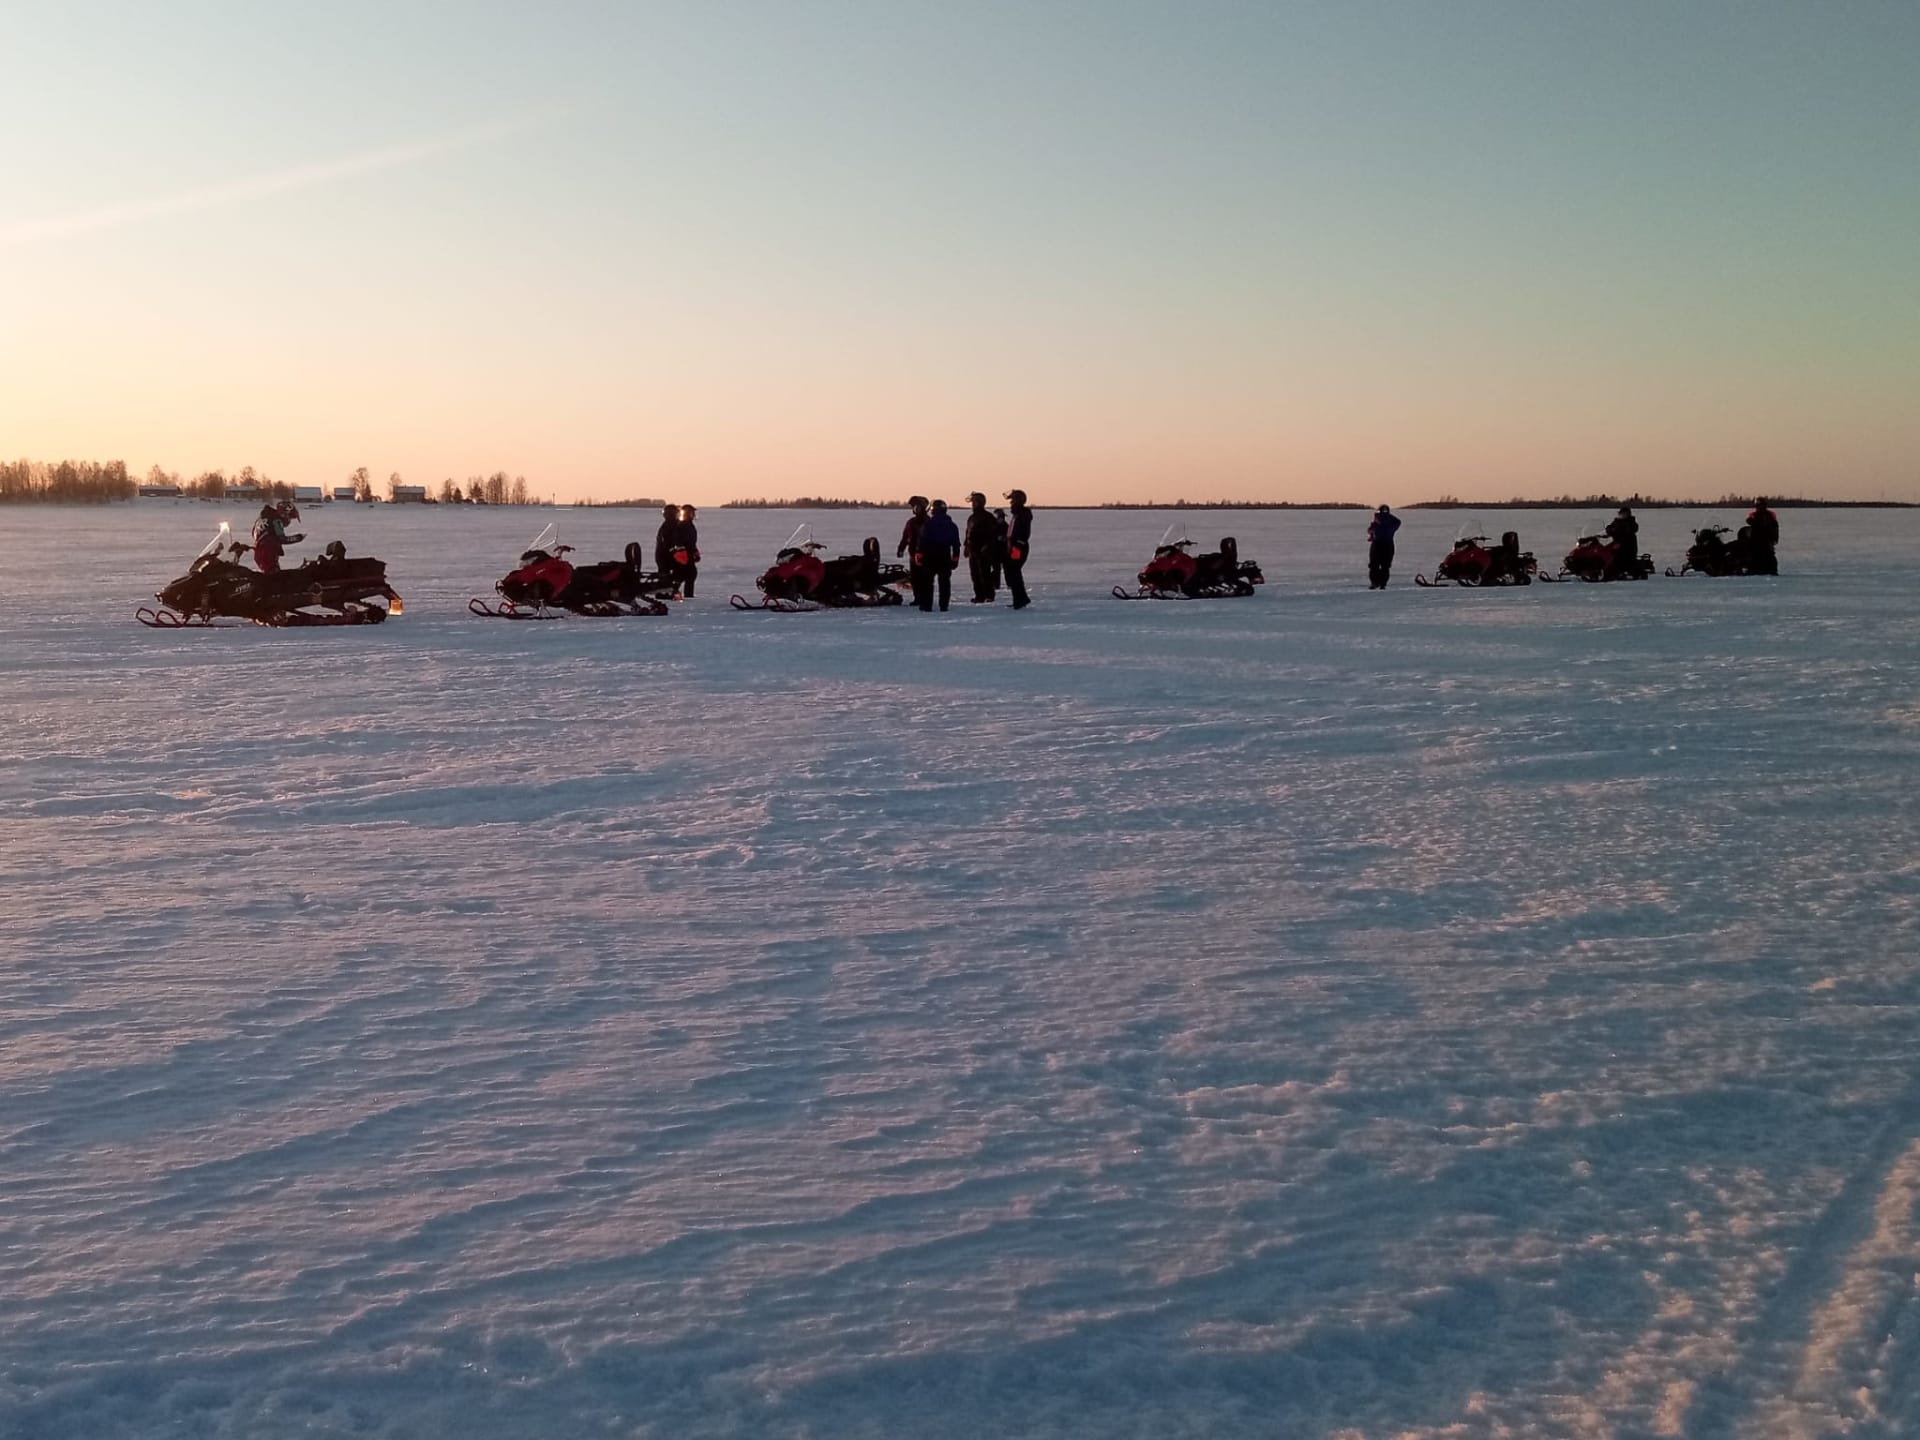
(676, 547)
(940, 553)
(909, 546)
(1380, 547)
(1624, 531)
(1763, 533)
(270, 537)
(985, 539)
(1019, 539)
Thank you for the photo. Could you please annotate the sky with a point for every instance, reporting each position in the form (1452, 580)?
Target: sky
(1116, 250)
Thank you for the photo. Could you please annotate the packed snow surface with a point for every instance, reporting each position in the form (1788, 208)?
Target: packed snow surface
(1329, 1013)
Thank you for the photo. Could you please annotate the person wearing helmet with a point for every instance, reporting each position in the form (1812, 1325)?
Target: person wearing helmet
(1763, 533)
(909, 546)
(940, 548)
(675, 555)
(985, 539)
(1019, 538)
(1624, 531)
(270, 537)
(1380, 547)
(686, 553)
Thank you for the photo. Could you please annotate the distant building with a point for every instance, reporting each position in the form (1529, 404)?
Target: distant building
(308, 492)
(244, 490)
(162, 492)
(344, 492)
(409, 494)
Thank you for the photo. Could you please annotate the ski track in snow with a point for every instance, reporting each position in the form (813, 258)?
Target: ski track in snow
(1325, 1014)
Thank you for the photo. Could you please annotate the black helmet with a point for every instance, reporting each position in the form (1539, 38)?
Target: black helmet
(1019, 497)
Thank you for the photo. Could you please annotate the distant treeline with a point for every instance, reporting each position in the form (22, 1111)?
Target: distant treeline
(83, 482)
(1222, 505)
(813, 502)
(642, 503)
(1649, 502)
(95, 482)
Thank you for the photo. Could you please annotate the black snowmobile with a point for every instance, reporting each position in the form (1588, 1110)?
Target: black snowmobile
(330, 590)
(1713, 554)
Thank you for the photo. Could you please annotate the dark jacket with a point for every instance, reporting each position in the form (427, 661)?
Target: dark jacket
(1381, 531)
(664, 539)
(1020, 532)
(1624, 531)
(940, 541)
(1765, 527)
(984, 535)
(910, 535)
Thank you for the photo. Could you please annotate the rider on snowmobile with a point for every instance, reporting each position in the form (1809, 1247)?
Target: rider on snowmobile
(1624, 531)
(270, 537)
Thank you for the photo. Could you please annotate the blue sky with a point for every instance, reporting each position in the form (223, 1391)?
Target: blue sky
(1118, 250)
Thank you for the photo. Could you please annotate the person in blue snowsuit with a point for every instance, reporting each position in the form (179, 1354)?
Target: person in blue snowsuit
(1380, 547)
(939, 553)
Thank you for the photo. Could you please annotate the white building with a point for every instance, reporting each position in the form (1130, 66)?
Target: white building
(344, 492)
(409, 494)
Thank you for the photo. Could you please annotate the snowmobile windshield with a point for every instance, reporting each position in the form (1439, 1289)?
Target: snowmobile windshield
(546, 539)
(222, 538)
(1472, 531)
(1176, 534)
(801, 539)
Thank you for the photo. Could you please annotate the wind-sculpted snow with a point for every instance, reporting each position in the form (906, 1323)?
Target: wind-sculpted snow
(1322, 1014)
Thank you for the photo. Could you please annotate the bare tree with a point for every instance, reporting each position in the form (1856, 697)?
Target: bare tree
(394, 482)
(518, 494)
(362, 484)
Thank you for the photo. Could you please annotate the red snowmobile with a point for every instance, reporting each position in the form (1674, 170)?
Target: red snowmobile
(1598, 557)
(330, 590)
(1474, 562)
(546, 585)
(800, 580)
(1175, 573)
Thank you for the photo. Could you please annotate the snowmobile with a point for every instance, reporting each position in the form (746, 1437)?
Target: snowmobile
(330, 590)
(1474, 562)
(800, 580)
(1713, 554)
(1596, 557)
(546, 585)
(1175, 573)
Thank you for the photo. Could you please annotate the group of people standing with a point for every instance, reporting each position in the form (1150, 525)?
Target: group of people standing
(994, 546)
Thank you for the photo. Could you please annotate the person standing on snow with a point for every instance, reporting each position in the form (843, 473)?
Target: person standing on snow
(686, 554)
(1624, 531)
(1019, 538)
(909, 546)
(1763, 533)
(1380, 547)
(676, 554)
(985, 535)
(940, 546)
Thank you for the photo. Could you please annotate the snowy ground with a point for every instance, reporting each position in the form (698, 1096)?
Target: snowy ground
(1325, 1014)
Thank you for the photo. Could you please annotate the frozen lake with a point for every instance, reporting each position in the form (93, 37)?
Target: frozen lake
(1328, 1014)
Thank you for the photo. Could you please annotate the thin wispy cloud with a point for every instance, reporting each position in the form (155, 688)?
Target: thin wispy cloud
(254, 187)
